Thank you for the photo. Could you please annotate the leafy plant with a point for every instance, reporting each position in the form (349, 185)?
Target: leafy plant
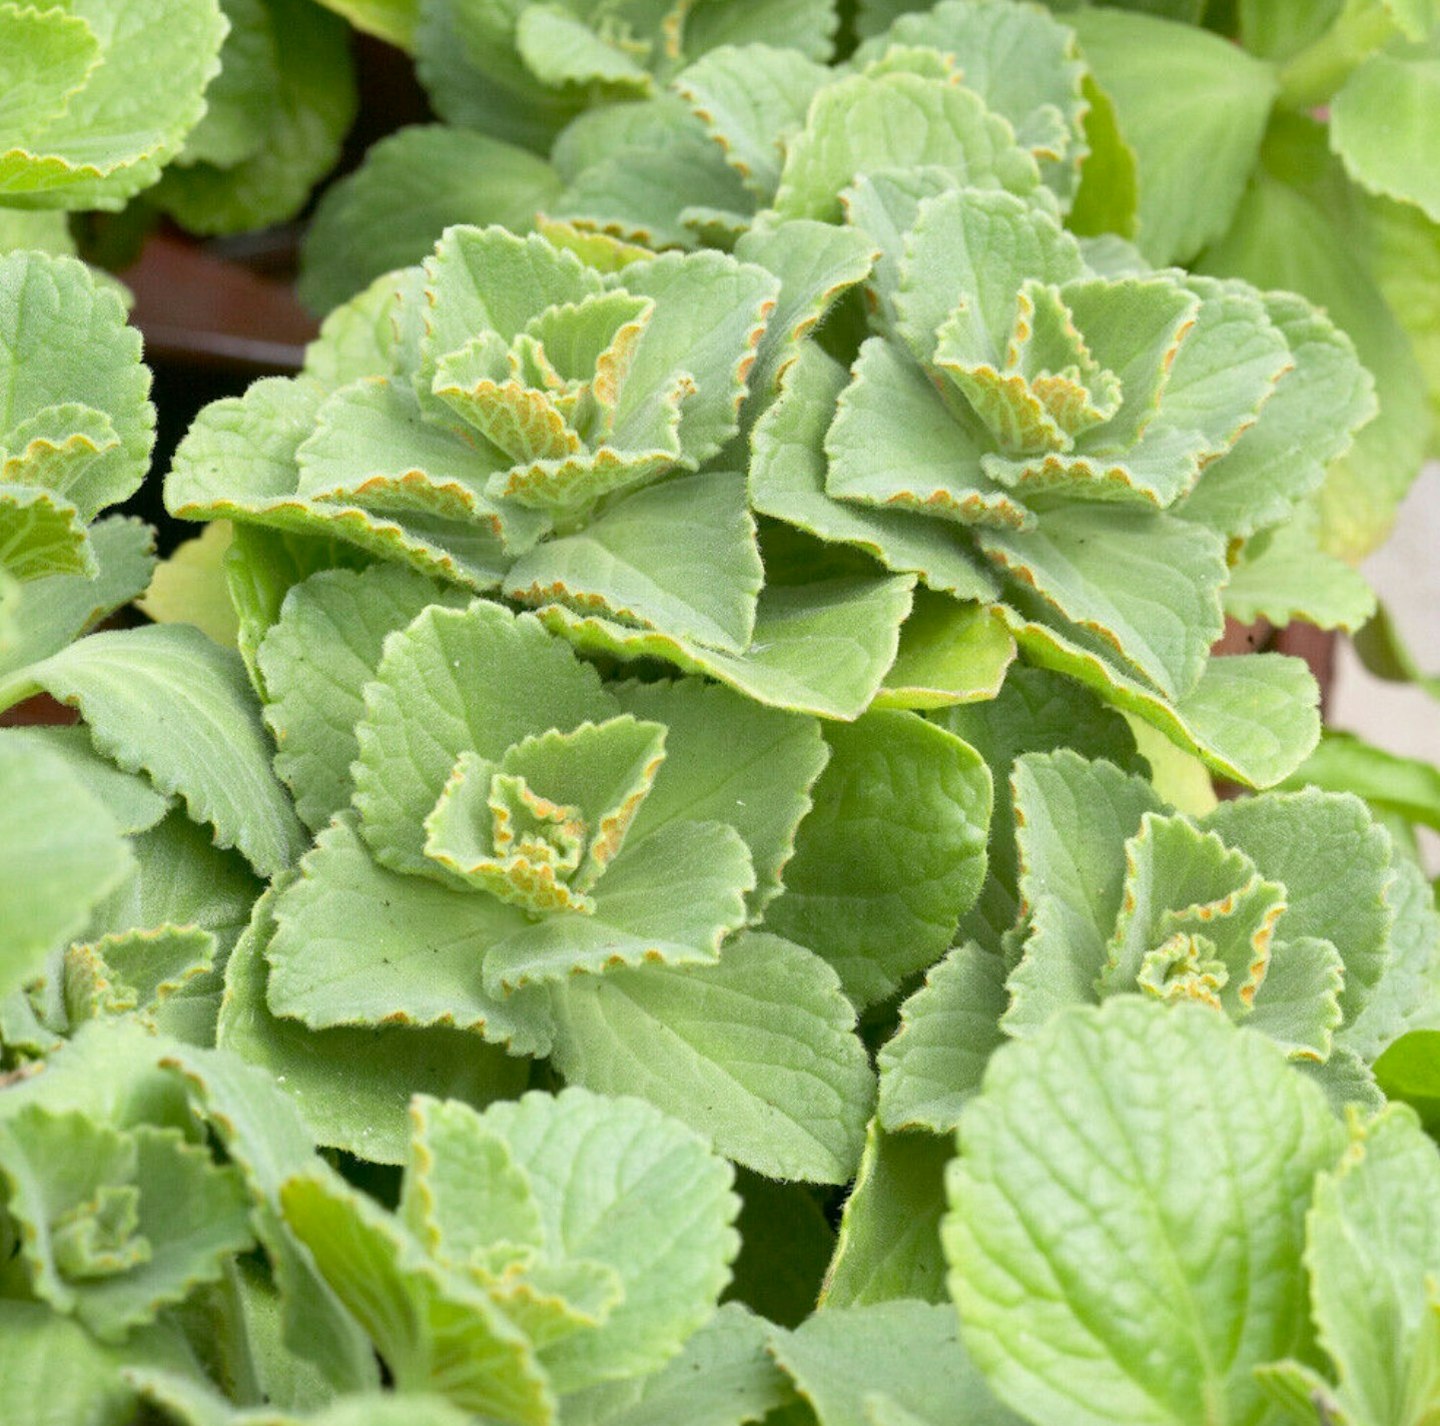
(658, 861)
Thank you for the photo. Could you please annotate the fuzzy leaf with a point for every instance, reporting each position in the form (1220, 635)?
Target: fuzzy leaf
(757, 1052)
(316, 661)
(891, 854)
(788, 482)
(896, 120)
(849, 1363)
(679, 557)
(166, 700)
(949, 1028)
(820, 648)
(949, 653)
(351, 1085)
(889, 1240)
(108, 137)
(359, 945)
(1193, 154)
(619, 1184)
(1152, 1293)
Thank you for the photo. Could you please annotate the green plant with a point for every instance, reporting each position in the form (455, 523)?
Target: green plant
(657, 860)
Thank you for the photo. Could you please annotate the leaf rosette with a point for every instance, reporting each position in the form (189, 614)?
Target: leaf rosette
(519, 69)
(515, 859)
(1101, 436)
(539, 1250)
(1292, 914)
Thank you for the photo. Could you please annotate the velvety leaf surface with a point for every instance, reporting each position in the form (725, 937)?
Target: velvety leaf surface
(1138, 1177)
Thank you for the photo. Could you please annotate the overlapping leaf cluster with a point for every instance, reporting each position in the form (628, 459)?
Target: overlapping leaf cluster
(737, 612)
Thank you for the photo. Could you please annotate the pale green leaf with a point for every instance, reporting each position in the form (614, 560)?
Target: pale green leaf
(62, 854)
(751, 99)
(166, 700)
(316, 661)
(1383, 126)
(908, 1355)
(1283, 575)
(71, 383)
(45, 58)
(129, 799)
(1193, 108)
(949, 1028)
(757, 1052)
(620, 1184)
(819, 648)
(1373, 1250)
(890, 855)
(1295, 230)
(1409, 787)
(351, 1086)
(896, 120)
(110, 138)
(311, 100)
(1137, 1176)
(41, 534)
(190, 587)
(359, 945)
(237, 113)
(436, 1331)
(889, 1240)
(560, 49)
(679, 557)
(949, 653)
(788, 480)
(724, 1377)
(410, 188)
(457, 680)
(1252, 717)
(728, 760)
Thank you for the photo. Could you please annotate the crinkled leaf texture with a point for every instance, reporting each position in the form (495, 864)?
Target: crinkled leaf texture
(1128, 1216)
(88, 126)
(526, 1259)
(78, 423)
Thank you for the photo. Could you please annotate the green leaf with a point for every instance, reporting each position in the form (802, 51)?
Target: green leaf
(618, 1183)
(891, 854)
(949, 1028)
(1193, 108)
(61, 52)
(818, 648)
(359, 945)
(1153, 1292)
(1148, 585)
(1283, 575)
(434, 1329)
(724, 1377)
(1296, 229)
(889, 1243)
(752, 98)
(352, 1086)
(1382, 124)
(559, 49)
(1373, 1249)
(390, 20)
(316, 661)
(1409, 787)
(680, 557)
(310, 102)
(236, 119)
(1108, 196)
(949, 653)
(896, 120)
(788, 482)
(852, 1363)
(728, 760)
(107, 139)
(1309, 422)
(412, 186)
(758, 1052)
(127, 798)
(785, 1244)
(165, 700)
(82, 427)
(190, 587)
(62, 853)
(1252, 717)
(47, 614)
(114, 1225)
